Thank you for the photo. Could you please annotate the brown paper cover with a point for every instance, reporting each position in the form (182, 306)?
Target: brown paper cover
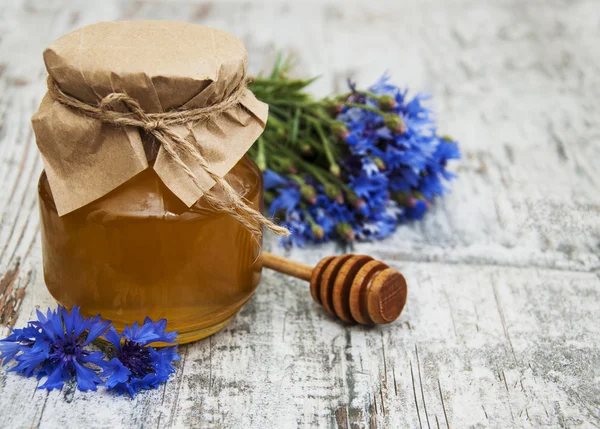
(164, 65)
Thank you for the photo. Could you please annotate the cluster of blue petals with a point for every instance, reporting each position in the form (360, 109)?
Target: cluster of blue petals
(394, 175)
(56, 347)
(136, 365)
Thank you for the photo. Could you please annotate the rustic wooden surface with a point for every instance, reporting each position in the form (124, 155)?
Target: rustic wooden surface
(501, 326)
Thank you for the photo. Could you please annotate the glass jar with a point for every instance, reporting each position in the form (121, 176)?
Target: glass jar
(139, 251)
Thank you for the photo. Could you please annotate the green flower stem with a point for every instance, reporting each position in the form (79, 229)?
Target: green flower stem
(319, 174)
(312, 143)
(295, 125)
(323, 176)
(281, 164)
(279, 123)
(326, 143)
(275, 83)
(322, 116)
(341, 184)
(365, 107)
(299, 180)
(307, 215)
(288, 103)
(261, 159)
(297, 122)
(281, 112)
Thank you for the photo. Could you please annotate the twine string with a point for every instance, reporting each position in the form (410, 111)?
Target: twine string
(159, 125)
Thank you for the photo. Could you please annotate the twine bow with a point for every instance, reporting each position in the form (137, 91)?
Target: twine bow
(159, 125)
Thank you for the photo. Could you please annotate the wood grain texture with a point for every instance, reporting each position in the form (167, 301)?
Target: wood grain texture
(286, 266)
(342, 285)
(500, 328)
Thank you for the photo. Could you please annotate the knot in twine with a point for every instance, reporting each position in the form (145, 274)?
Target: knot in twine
(159, 125)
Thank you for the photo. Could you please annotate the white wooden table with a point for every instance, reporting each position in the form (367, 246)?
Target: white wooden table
(501, 326)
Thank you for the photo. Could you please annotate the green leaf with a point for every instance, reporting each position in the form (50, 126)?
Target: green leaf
(294, 126)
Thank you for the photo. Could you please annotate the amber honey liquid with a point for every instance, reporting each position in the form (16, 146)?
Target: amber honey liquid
(138, 251)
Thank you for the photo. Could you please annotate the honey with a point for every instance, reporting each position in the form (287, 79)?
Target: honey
(139, 251)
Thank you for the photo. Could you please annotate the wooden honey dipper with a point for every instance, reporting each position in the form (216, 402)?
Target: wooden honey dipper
(355, 288)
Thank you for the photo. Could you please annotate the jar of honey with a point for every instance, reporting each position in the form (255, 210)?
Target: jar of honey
(138, 251)
(131, 218)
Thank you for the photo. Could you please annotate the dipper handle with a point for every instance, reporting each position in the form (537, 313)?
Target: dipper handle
(355, 288)
(286, 266)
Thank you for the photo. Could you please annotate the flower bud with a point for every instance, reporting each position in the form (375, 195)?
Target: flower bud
(402, 198)
(359, 204)
(344, 135)
(379, 163)
(308, 193)
(288, 166)
(334, 193)
(345, 231)
(306, 149)
(340, 130)
(317, 231)
(353, 199)
(406, 199)
(387, 102)
(335, 109)
(335, 170)
(419, 209)
(331, 191)
(395, 123)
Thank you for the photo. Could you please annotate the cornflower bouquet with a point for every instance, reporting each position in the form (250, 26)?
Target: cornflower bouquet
(353, 166)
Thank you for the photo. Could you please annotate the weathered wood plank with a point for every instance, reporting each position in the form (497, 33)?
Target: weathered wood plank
(499, 329)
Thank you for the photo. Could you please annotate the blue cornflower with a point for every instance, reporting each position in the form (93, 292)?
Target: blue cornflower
(273, 180)
(54, 346)
(287, 200)
(295, 221)
(417, 209)
(376, 230)
(324, 219)
(446, 150)
(136, 365)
